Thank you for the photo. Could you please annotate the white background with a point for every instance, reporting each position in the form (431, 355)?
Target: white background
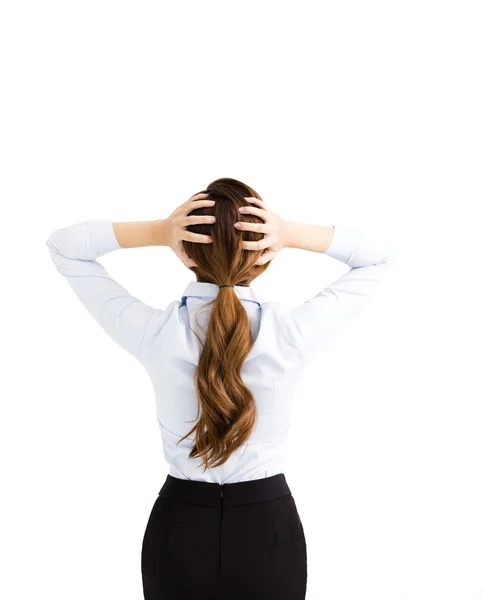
(367, 114)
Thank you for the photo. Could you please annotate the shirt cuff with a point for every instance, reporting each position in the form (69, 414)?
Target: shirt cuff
(344, 244)
(102, 236)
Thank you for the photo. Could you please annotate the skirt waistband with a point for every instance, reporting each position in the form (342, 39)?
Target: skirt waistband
(203, 493)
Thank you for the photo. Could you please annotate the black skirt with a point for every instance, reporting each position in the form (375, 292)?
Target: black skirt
(236, 541)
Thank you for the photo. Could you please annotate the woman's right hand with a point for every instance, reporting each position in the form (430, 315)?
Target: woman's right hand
(275, 228)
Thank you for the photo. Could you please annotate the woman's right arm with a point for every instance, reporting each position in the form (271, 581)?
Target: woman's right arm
(320, 319)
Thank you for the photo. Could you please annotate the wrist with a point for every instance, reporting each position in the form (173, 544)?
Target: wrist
(158, 232)
(315, 238)
(291, 234)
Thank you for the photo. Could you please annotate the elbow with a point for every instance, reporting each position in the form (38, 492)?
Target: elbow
(49, 242)
(54, 250)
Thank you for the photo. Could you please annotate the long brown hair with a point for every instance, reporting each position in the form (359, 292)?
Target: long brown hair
(228, 408)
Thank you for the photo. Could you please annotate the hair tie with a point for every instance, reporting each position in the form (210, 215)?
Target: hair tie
(226, 285)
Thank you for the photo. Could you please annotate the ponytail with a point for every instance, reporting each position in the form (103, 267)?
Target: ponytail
(228, 408)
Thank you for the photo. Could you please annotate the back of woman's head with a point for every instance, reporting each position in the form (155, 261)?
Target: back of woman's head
(228, 411)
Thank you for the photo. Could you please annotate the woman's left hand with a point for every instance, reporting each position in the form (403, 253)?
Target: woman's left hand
(174, 227)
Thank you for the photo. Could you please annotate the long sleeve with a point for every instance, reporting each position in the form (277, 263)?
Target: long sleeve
(74, 251)
(320, 319)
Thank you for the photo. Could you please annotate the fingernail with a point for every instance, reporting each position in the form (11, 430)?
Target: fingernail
(237, 224)
(241, 209)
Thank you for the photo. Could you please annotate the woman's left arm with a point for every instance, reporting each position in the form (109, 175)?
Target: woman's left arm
(74, 251)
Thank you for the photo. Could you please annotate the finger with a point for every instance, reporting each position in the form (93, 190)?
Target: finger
(196, 237)
(270, 255)
(253, 210)
(189, 206)
(259, 245)
(183, 256)
(258, 227)
(189, 262)
(197, 220)
(198, 196)
(257, 201)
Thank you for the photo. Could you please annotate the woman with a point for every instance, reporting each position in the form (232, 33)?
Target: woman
(224, 367)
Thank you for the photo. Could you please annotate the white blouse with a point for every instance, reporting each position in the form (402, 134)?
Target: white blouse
(287, 339)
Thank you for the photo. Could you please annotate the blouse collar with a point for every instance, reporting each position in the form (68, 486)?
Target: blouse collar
(202, 289)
